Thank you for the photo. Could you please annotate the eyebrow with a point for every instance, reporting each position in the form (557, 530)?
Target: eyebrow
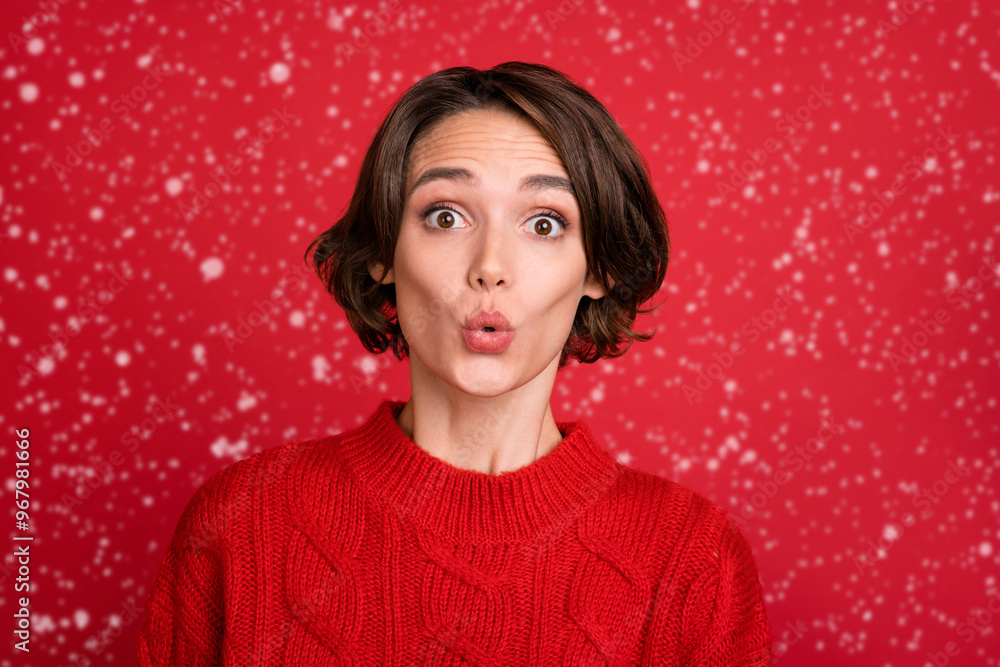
(534, 182)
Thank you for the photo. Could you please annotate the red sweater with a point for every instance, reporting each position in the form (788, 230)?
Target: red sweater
(362, 548)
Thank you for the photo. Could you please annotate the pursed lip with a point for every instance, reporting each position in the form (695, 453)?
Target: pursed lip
(488, 318)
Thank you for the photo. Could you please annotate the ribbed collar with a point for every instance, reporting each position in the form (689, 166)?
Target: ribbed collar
(466, 505)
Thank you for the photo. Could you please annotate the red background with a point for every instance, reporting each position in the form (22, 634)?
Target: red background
(302, 373)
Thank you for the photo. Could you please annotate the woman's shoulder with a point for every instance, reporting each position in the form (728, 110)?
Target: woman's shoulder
(260, 470)
(670, 499)
(679, 518)
(229, 497)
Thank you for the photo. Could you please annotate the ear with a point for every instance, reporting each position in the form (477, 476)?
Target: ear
(594, 289)
(376, 269)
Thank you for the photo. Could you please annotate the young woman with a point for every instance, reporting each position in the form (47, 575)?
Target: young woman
(502, 225)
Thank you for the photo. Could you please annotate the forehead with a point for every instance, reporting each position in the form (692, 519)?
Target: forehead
(483, 140)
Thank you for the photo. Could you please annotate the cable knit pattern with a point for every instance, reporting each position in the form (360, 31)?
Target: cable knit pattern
(448, 579)
(326, 594)
(606, 580)
(363, 549)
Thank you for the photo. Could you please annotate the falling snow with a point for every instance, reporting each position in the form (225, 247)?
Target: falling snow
(825, 363)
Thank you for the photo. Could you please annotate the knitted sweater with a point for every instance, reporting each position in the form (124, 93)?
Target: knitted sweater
(361, 548)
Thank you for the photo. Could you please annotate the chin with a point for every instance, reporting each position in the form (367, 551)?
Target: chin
(485, 380)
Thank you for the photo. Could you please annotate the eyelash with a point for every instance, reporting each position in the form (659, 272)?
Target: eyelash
(547, 213)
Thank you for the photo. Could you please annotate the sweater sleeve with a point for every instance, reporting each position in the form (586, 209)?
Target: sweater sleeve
(185, 617)
(722, 621)
(739, 632)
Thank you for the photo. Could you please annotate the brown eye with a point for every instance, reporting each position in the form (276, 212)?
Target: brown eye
(445, 219)
(547, 226)
(543, 226)
(441, 217)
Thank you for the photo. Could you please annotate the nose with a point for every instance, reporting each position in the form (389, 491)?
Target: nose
(490, 262)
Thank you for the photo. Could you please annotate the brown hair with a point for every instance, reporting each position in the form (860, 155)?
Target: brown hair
(624, 228)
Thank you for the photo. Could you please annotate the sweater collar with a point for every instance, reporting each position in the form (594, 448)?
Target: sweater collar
(468, 505)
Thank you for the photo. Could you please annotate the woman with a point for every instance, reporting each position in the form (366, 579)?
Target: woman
(502, 224)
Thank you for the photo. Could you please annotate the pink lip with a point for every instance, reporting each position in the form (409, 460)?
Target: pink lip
(491, 318)
(488, 341)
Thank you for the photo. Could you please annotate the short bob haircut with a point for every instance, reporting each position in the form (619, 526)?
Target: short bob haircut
(624, 228)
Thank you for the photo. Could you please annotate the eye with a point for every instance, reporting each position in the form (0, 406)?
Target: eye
(547, 225)
(441, 216)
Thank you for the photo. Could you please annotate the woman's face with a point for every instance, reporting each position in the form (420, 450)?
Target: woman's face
(487, 198)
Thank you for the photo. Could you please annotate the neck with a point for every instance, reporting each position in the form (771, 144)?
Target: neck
(488, 434)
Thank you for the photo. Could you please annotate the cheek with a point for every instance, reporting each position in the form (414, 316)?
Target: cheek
(420, 263)
(425, 299)
(557, 283)
(426, 277)
(554, 302)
